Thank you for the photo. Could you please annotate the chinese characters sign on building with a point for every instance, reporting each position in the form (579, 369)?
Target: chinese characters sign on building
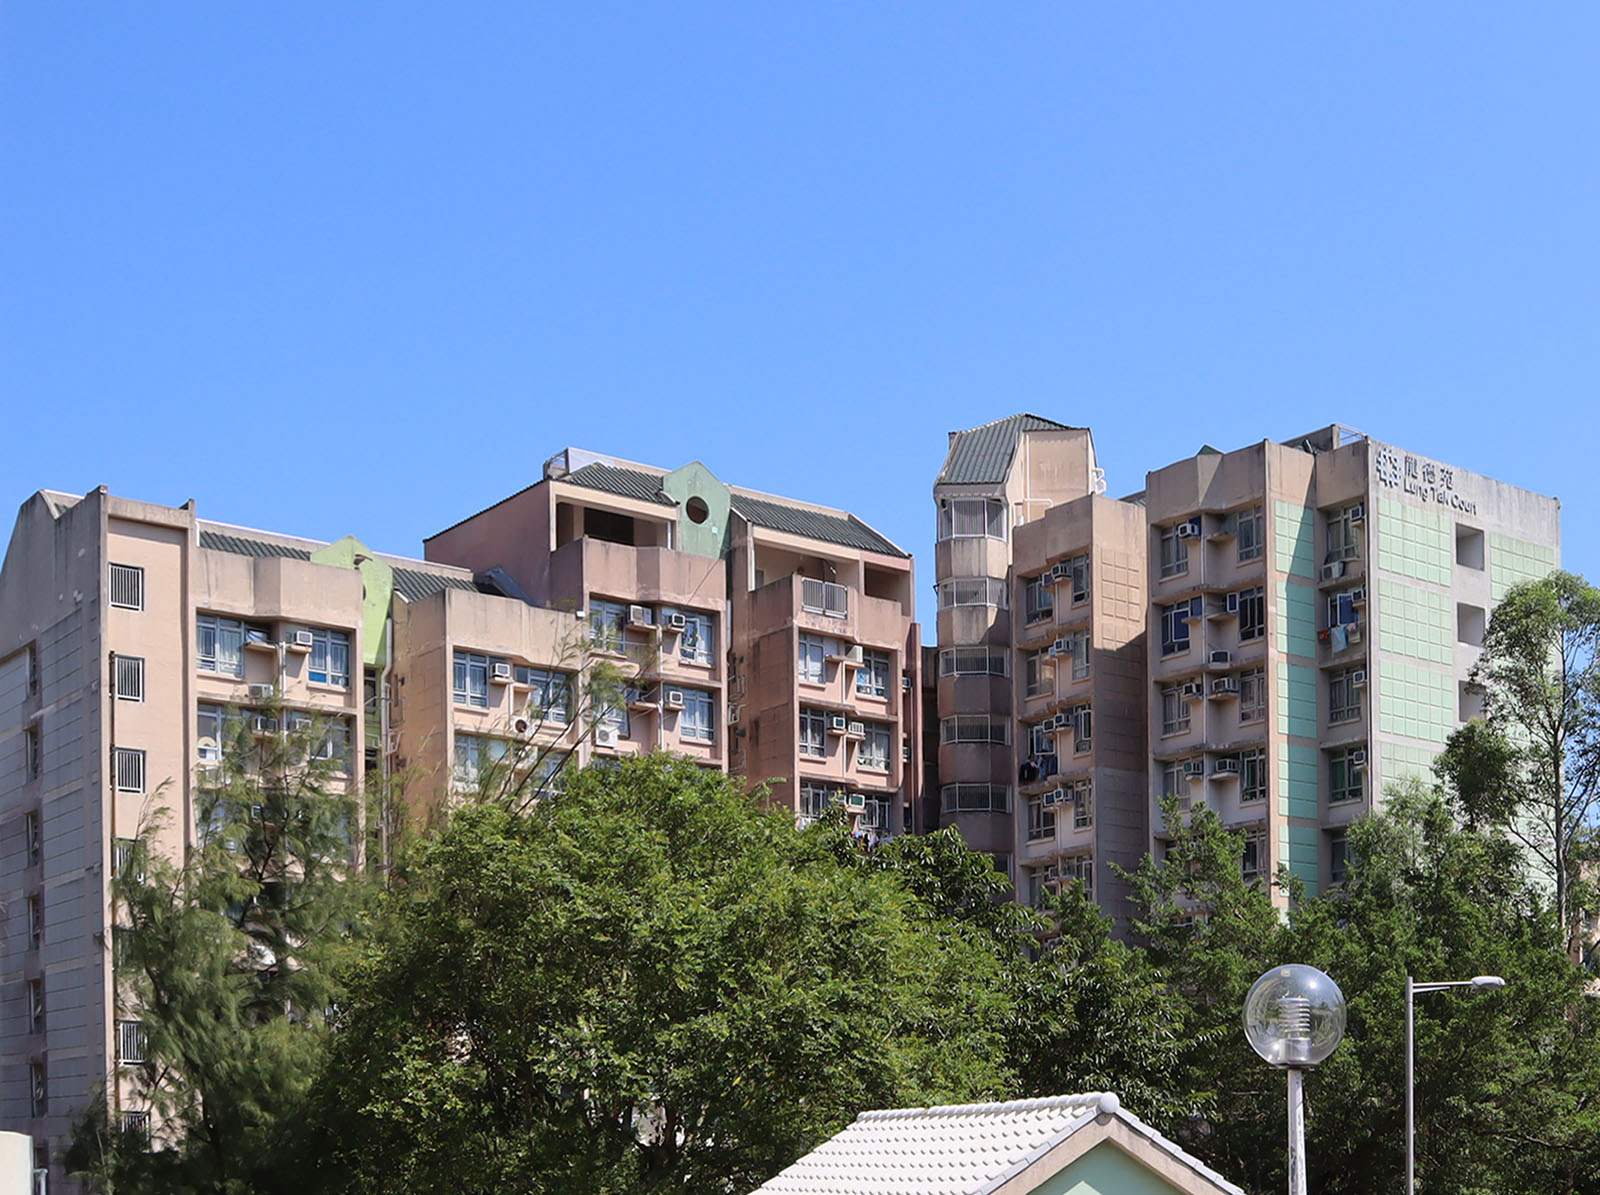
(1425, 480)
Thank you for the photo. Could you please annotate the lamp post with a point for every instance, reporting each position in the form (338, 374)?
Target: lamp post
(1294, 1017)
(1480, 982)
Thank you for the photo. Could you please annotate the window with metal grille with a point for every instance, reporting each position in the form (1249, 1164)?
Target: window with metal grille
(137, 1126)
(1344, 696)
(132, 1042)
(975, 728)
(38, 1090)
(35, 920)
(975, 798)
(36, 1004)
(1253, 775)
(129, 770)
(824, 597)
(974, 661)
(1251, 533)
(130, 678)
(125, 859)
(32, 828)
(127, 586)
(31, 745)
(1252, 695)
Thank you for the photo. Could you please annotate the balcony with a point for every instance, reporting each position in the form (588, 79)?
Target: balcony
(646, 575)
(830, 609)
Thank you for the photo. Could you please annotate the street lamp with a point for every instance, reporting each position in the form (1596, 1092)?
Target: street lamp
(1480, 982)
(1294, 1017)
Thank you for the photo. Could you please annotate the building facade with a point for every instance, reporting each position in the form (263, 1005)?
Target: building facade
(132, 634)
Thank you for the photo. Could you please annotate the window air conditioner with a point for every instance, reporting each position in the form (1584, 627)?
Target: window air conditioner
(1333, 570)
(905, 684)
(674, 621)
(837, 724)
(605, 736)
(262, 692)
(1190, 688)
(1061, 647)
(733, 715)
(1358, 596)
(1226, 766)
(1233, 603)
(1225, 686)
(303, 640)
(1358, 758)
(1358, 513)
(855, 802)
(1358, 679)
(674, 699)
(905, 754)
(853, 655)
(1187, 530)
(639, 616)
(1220, 659)
(265, 724)
(1194, 767)
(857, 730)
(500, 672)
(1056, 796)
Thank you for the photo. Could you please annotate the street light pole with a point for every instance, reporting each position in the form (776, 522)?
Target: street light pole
(1294, 1017)
(1480, 982)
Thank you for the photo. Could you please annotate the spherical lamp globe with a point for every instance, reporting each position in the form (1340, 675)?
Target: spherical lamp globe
(1294, 1016)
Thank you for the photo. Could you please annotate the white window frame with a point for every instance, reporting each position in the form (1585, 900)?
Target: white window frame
(972, 518)
(1343, 534)
(872, 677)
(1041, 821)
(549, 694)
(125, 586)
(1176, 715)
(1082, 657)
(1344, 698)
(129, 770)
(697, 640)
(958, 592)
(466, 668)
(1078, 567)
(974, 661)
(874, 753)
(1038, 598)
(697, 720)
(1252, 695)
(1039, 674)
(333, 649)
(129, 678)
(1253, 544)
(1174, 780)
(133, 1042)
(1252, 599)
(1173, 550)
(811, 657)
(608, 625)
(975, 728)
(1175, 619)
(1354, 787)
(1253, 775)
(813, 732)
(1083, 805)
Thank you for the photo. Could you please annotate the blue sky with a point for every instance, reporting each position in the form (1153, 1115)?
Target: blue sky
(362, 268)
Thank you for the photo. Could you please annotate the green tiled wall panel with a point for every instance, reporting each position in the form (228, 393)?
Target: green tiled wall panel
(1296, 619)
(1512, 561)
(1297, 700)
(1401, 761)
(1416, 622)
(1305, 850)
(1415, 543)
(1416, 702)
(1298, 780)
(1294, 539)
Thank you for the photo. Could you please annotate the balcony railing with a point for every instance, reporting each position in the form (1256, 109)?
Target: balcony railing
(824, 597)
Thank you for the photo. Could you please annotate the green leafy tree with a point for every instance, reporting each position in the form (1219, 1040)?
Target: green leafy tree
(227, 960)
(648, 983)
(1531, 768)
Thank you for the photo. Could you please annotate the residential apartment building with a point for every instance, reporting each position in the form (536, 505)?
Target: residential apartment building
(1286, 628)
(131, 634)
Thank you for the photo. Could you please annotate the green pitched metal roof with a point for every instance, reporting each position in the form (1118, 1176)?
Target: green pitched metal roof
(413, 584)
(982, 455)
(626, 483)
(844, 530)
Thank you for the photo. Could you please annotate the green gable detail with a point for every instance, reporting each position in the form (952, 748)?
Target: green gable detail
(702, 529)
(377, 587)
(1105, 1170)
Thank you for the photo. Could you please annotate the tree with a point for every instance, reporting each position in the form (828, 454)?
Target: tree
(1531, 768)
(649, 983)
(225, 962)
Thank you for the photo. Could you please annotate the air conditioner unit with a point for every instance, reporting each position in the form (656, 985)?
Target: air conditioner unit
(733, 715)
(265, 724)
(674, 621)
(1333, 570)
(391, 744)
(905, 684)
(857, 730)
(1358, 679)
(522, 726)
(1194, 767)
(1056, 796)
(1061, 647)
(605, 736)
(1220, 659)
(1228, 528)
(1225, 686)
(262, 692)
(838, 724)
(1358, 513)
(1058, 572)
(1358, 596)
(1226, 766)
(1358, 758)
(905, 754)
(855, 802)
(500, 672)
(1191, 688)
(639, 616)
(854, 655)
(674, 699)
(1187, 530)
(302, 641)
(1233, 603)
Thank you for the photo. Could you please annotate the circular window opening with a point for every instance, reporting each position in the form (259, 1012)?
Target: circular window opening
(697, 510)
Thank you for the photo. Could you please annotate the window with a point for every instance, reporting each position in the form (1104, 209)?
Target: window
(1041, 821)
(1252, 614)
(475, 756)
(972, 591)
(975, 798)
(132, 1042)
(1039, 678)
(1039, 740)
(38, 1091)
(1174, 710)
(1344, 698)
(33, 669)
(129, 770)
(1079, 868)
(697, 640)
(1342, 609)
(812, 656)
(330, 658)
(872, 678)
(1253, 775)
(129, 678)
(219, 643)
(1174, 780)
(875, 816)
(1251, 534)
(872, 754)
(1077, 570)
(1345, 770)
(611, 712)
(137, 1126)
(332, 737)
(972, 518)
(1080, 656)
(1174, 550)
(549, 774)
(33, 750)
(127, 586)
(608, 623)
(472, 679)
(1175, 628)
(1338, 856)
(1082, 805)
(698, 718)
(1252, 694)
(125, 859)
(974, 661)
(975, 728)
(549, 694)
(35, 920)
(1255, 854)
(1344, 535)
(35, 839)
(815, 799)
(827, 598)
(36, 1005)
(1039, 597)
(813, 732)
(210, 728)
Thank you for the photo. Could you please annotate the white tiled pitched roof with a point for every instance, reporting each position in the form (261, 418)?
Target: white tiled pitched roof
(958, 1149)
